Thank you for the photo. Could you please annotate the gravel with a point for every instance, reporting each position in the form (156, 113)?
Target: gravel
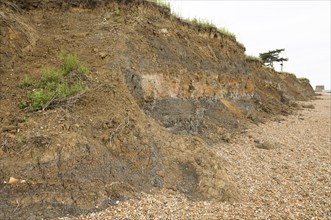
(282, 169)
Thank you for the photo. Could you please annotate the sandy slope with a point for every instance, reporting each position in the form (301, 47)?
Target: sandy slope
(291, 179)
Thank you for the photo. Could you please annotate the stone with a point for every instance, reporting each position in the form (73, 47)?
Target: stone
(103, 55)
(265, 145)
(13, 180)
(226, 137)
(164, 31)
(311, 106)
(10, 128)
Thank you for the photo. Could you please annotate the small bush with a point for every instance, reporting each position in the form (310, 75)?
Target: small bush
(23, 104)
(49, 76)
(64, 90)
(83, 70)
(39, 98)
(51, 86)
(69, 62)
(55, 85)
(26, 82)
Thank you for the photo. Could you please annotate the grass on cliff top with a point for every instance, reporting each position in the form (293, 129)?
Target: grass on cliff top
(253, 58)
(303, 80)
(199, 22)
(56, 85)
(161, 3)
(208, 24)
(300, 79)
(288, 74)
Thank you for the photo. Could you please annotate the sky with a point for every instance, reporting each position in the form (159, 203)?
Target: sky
(302, 28)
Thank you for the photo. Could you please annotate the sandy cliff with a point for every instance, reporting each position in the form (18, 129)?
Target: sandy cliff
(160, 92)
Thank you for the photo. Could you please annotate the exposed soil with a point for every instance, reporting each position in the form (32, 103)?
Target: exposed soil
(290, 180)
(162, 96)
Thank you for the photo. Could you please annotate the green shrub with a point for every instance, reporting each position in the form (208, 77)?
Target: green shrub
(39, 98)
(50, 75)
(51, 86)
(70, 62)
(56, 85)
(23, 104)
(83, 70)
(26, 82)
(64, 90)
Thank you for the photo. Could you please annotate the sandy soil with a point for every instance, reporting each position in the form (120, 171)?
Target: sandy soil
(282, 169)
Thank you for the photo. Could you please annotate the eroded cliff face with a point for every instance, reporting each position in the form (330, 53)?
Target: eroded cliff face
(161, 91)
(194, 72)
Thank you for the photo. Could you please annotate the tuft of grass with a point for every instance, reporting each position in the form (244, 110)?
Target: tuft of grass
(70, 62)
(241, 45)
(23, 104)
(253, 58)
(288, 74)
(161, 3)
(83, 70)
(56, 85)
(208, 24)
(26, 82)
(50, 76)
(201, 22)
(225, 32)
(304, 80)
(268, 68)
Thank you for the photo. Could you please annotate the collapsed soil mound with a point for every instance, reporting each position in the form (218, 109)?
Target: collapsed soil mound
(159, 91)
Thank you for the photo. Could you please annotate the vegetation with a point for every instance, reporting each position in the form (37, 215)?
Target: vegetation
(208, 24)
(303, 80)
(272, 56)
(199, 22)
(268, 68)
(161, 3)
(253, 58)
(241, 44)
(228, 33)
(55, 85)
(26, 82)
(288, 74)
